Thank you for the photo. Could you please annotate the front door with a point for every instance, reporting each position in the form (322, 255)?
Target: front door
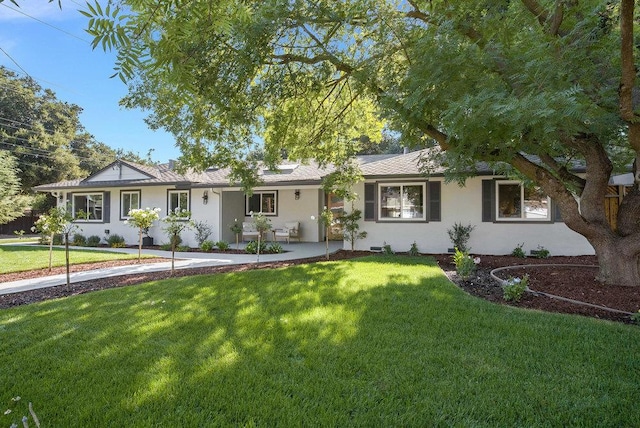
(336, 205)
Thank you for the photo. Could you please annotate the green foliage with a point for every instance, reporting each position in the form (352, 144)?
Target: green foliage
(174, 224)
(351, 226)
(519, 252)
(413, 251)
(465, 264)
(386, 249)
(93, 241)
(514, 288)
(222, 245)
(541, 252)
(207, 245)
(275, 248)
(636, 317)
(115, 241)
(79, 240)
(459, 235)
(252, 247)
(202, 231)
(12, 201)
(262, 222)
(19, 233)
(236, 227)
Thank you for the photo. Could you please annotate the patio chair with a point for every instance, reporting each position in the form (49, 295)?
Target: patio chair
(290, 230)
(249, 231)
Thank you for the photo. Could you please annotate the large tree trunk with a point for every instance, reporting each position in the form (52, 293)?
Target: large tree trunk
(618, 265)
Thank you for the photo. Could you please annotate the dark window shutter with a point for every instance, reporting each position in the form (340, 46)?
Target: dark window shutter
(557, 215)
(435, 201)
(106, 207)
(369, 201)
(488, 200)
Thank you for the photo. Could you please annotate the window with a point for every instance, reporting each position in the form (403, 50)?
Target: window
(178, 200)
(129, 200)
(88, 206)
(515, 202)
(402, 201)
(262, 202)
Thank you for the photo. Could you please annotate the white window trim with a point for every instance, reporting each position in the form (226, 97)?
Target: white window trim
(247, 212)
(522, 210)
(178, 192)
(401, 185)
(123, 215)
(86, 195)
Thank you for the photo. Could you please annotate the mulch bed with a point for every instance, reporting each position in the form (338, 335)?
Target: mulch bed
(572, 282)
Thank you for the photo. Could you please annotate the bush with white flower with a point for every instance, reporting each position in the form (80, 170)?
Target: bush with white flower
(514, 288)
(142, 219)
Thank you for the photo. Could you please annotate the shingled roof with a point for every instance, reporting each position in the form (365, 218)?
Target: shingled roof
(288, 173)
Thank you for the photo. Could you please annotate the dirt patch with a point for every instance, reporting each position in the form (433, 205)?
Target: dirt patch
(572, 282)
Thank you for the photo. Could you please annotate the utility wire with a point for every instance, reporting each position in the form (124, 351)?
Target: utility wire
(45, 23)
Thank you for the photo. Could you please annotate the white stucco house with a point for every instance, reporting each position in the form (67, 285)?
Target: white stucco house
(399, 204)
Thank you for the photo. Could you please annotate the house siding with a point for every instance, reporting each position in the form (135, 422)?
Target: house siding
(464, 205)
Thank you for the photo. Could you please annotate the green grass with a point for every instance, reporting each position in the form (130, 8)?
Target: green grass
(379, 341)
(18, 258)
(26, 239)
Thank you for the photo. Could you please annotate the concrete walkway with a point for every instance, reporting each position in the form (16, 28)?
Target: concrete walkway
(183, 261)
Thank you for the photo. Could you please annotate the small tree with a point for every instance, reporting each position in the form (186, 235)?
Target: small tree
(325, 219)
(58, 221)
(459, 235)
(203, 230)
(142, 219)
(351, 226)
(51, 224)
(176, 222)
(263, 224)
(236, 228)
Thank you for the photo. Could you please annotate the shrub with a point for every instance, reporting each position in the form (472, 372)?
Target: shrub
(460, 235)
(115, 241)
(413, 251)
(465, 264)
(57, 239)
(202, 231)
(541, 252)
(515, 288)
(207, 245)
(222, 245)
(183, 248)
(93, 241)
(165, 247)
(636, 317)
(518, 251)
(275, 248)
(386, 249)
(252, 247)
(79, 240)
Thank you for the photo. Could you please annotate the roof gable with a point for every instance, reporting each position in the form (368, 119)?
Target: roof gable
(121, 171)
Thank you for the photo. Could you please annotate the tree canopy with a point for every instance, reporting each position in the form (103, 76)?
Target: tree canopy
(531, 84)
(12, 202)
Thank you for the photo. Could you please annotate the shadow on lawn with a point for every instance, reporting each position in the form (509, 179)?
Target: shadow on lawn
(367, 342)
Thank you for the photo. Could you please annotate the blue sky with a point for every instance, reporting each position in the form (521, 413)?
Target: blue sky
(78, 75)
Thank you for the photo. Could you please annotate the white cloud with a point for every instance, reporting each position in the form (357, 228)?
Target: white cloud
(39, 9)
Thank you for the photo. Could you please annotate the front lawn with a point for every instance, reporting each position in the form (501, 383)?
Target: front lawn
(18, 258)
(378, 341)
